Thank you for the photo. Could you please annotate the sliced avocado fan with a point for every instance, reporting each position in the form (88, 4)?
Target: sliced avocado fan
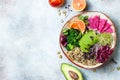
(87, 41)
(70, 72)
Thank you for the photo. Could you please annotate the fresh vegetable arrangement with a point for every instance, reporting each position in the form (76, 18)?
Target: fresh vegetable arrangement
(88, 39)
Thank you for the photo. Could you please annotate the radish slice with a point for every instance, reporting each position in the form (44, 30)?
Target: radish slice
(110, 30)
(101, 24)
(107, 26)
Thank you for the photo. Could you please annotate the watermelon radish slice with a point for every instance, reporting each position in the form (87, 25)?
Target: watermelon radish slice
(101, 24)
(110, 30)
(91, 23)
(94, 22)
(107, 26)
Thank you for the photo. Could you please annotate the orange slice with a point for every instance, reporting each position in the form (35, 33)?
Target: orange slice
(80, 25)
(79, 5)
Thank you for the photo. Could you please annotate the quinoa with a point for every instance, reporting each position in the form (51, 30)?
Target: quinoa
(78, 56)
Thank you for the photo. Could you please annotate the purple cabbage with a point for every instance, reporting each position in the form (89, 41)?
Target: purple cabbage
(103, 54)
(63, 40)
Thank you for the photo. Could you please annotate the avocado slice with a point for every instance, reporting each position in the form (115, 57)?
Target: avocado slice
(82, 44)
(87, 41)
(89, 37)
(84, 47)
(70, 72)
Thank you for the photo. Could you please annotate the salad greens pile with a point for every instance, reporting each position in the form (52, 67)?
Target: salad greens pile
(73, 37)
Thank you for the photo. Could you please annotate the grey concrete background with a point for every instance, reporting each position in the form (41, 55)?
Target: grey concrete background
(29, 33)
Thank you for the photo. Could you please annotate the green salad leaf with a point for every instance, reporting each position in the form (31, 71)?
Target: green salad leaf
(84, 18)
(69, 47)
(65, 31)
(73, 37)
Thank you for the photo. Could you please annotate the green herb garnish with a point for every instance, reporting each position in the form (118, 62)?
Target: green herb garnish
(65, 31)
(84, 18)
(69, 47)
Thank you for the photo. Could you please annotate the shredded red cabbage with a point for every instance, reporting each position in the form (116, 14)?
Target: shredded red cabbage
(63, 40)
(103, 54)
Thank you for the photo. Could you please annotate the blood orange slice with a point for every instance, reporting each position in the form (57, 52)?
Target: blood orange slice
(80, 25)
(79, 5)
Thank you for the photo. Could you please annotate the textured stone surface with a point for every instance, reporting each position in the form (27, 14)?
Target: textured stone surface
(29, 40)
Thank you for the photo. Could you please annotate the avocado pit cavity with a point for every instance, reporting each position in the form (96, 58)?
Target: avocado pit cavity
(73, 75)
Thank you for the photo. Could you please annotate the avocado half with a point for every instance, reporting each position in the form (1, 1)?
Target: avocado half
(70, 72)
